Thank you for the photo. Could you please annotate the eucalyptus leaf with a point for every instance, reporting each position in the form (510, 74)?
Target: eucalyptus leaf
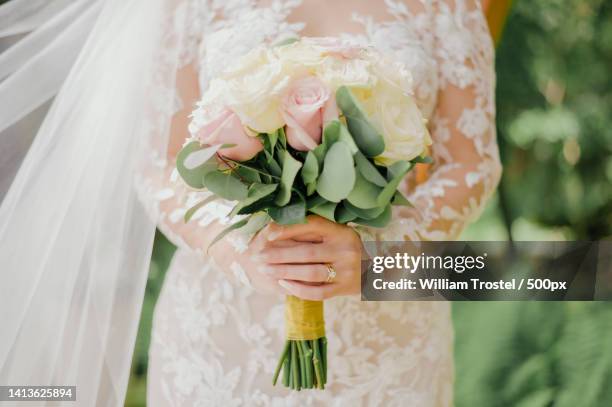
(311, 188)
(224, 232)
(380, 221)
(367, 138)
(282, 137)
(422, 160)
(338, 176)
(289, 214)
(256, 193)
(346, 137)
(193, 177)
(247, 174)
(399, 171)
(331, 133)
(200, 156)
(257, 221)
(400, 200)
(325, 210)
(369, 170)
(191, 211)
(364, 194)
(364, 213)
(315, 201)
(225, 185)
(310, 171)
(344, 215)
(291, 167)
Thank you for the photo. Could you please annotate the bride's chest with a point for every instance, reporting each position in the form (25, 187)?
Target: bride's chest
(244, 26)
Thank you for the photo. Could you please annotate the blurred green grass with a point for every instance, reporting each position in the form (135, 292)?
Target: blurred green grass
(554, 120)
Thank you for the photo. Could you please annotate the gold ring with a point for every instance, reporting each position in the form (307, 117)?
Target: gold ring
(331, 273)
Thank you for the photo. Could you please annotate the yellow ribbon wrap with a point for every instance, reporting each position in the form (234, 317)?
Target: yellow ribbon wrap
(304, 319)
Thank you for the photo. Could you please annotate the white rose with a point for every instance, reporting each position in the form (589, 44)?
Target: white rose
(401, 123)
(355, 73)
(251, 89)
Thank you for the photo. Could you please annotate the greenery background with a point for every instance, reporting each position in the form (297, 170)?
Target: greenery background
(554, 102)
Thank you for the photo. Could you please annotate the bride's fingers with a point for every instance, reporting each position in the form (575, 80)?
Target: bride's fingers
(314, 226)
(308, 292)
(299, 254)
(315, 273)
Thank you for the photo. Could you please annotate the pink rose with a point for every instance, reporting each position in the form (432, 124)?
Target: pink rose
(334, 47)
(226, 128)
(306, 107)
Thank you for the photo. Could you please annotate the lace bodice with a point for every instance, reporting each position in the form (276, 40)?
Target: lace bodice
(447, 46)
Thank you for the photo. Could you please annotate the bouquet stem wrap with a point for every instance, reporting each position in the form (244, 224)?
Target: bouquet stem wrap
(304, 357)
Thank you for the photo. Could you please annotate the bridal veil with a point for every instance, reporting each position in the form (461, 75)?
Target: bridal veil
(75, 241)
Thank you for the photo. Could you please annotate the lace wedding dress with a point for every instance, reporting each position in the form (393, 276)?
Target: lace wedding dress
(215, 339)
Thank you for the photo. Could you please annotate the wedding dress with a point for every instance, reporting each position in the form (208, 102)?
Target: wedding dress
(216, 340)
(81, 203)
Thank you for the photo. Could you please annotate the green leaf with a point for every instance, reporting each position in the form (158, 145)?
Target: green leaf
(289, 214)
(256, 222)
(311, 188)
(380, 221)
(272, 139)
(247, 174)
(315, 201)
(310, 171)
(347, 138)
(331, 133)
(225, 185)
(325, 210)
(367, 138)
(344, 215)
(372, 213)
(194, 177)
(272, 165)
(200, 156)
(369, 170)
(422, 160)
(397, 168)
(224, 232)
(256, 193)
(291, 167)
(282, 137)
(398, 171)
(364, 194)
(191, 211)
(400, 200)
(338, 176)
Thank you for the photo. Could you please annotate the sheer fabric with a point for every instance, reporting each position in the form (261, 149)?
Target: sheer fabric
(75, 241)
(216, 339)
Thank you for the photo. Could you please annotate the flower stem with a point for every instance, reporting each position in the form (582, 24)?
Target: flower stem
(280, 363)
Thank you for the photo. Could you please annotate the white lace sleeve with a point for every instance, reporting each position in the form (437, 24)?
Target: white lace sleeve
(466, 166)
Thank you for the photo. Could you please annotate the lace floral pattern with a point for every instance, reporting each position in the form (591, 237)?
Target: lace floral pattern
(216, 339)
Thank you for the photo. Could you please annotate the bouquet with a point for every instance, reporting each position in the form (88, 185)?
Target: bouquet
(314, 126)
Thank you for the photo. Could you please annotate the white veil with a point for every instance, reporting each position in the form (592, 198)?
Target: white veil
(75, 240)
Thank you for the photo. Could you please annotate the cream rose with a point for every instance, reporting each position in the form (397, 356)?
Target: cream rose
(252, 87)
(400, 121)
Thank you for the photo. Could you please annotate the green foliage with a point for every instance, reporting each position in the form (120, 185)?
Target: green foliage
(554, 116)
(533, 354)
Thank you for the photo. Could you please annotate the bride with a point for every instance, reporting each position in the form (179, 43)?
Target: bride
(76, 224)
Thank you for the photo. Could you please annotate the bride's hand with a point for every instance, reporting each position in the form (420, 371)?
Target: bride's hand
(297, 256)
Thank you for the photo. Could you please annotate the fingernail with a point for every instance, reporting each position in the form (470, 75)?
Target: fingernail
(284, 284)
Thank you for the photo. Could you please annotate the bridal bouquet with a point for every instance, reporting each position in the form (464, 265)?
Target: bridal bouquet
(315, 126)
